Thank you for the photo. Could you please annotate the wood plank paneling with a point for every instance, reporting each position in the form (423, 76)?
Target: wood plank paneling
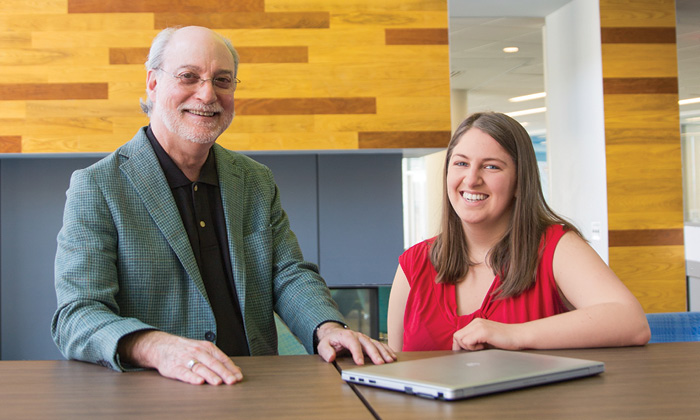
(632, 161)
(400, 54)
(358, 6)
(641, 136)
(643, 159)
(653, 275)
(218, 20)
(367, 37)
(421, 36)
(273, 54)
(632, 85)
(631, 185)
(71, 22)
(376, 80)
(394, 18)
(315, 72)
(641, 110)
(51, 57)
(639, 60)
(184, 6)
(13, 109)
(634, 219)
(302, 106)
(638, 35)
(289, 125)
(636, 211)
(32, 7)
(376, 122)
(15, 40)
(399, 139)
(128, 55)
(101, 108)
(645, 237)
(48, 127)
(53, 91)
(10, 144)
(246, 54)
(300, 141)
(12, 127)
(637, 13)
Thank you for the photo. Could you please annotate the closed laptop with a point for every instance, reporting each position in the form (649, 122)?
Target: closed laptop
(468, 374)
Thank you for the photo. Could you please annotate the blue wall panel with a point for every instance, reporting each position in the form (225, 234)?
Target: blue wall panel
(360, 218)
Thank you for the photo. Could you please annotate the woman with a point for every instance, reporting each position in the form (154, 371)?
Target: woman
(505, 271)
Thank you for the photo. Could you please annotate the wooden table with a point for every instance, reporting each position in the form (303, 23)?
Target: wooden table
(657, 381)
(280, 387)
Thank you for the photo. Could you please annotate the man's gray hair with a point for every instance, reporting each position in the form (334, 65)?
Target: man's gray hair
(156, 56)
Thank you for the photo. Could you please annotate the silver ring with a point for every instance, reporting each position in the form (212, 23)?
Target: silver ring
(191, 363)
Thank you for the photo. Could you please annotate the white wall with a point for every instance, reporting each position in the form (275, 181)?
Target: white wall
(575, 119)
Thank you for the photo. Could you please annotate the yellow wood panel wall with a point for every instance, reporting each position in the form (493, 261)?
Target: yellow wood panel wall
(316, 74)
(643, 150)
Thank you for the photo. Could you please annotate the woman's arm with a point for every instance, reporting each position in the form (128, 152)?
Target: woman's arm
(397, 308)
(606, 313)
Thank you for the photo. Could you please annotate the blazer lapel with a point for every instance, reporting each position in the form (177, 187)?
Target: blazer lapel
(231, 185)
(146, 176)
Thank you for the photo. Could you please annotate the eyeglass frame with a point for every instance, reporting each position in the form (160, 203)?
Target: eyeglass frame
(234, 82)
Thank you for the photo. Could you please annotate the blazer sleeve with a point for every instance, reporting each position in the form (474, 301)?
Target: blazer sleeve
(302, 297)
(87, 325)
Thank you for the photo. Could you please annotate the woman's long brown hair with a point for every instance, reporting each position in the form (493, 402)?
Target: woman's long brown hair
(516, 255)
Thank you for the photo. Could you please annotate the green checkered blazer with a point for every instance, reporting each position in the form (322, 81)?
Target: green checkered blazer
(124, 262)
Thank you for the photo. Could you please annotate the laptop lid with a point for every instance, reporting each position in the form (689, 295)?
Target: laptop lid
(467, 374)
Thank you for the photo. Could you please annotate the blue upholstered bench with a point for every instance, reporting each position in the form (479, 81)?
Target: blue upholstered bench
(674, 326)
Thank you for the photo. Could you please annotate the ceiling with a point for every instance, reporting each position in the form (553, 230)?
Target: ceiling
(490, 76)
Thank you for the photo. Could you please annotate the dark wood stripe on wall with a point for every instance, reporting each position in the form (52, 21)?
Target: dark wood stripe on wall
(646, 85)
(273, 54)
(645, 237)
(638, 35)
(10, 144)
(247, 55)
(156, 6)
(401, 139)
(50, 91)
(221, 20)
(305, 106)
(428, 36)
(128, 55)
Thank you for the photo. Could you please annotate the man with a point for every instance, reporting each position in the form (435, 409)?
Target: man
(174, 252)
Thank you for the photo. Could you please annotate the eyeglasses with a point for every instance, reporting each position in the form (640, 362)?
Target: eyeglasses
(192, 80)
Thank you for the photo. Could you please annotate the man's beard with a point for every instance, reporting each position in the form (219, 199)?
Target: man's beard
(205, 132)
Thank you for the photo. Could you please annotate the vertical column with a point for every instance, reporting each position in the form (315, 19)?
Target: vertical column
(643, 150)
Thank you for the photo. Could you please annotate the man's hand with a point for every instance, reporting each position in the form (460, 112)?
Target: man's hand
(190, 361)
(333, 338)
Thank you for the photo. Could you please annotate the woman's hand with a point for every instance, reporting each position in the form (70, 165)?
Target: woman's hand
(482, 334)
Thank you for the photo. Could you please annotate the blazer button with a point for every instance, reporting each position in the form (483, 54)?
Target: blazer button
(210, 336)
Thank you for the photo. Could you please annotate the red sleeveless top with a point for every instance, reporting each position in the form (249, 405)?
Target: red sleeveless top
(430, 318)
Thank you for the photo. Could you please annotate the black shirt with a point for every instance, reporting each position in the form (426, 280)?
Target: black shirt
(202, 213)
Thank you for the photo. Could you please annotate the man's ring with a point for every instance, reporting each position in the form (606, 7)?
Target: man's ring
(191, 363)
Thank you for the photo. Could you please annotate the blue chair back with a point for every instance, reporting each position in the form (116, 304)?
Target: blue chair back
(674, 326)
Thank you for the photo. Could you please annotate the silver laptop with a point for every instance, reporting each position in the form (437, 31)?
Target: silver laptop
(467, 374)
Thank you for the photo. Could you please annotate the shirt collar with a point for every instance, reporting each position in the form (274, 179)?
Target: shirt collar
(176, 178)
